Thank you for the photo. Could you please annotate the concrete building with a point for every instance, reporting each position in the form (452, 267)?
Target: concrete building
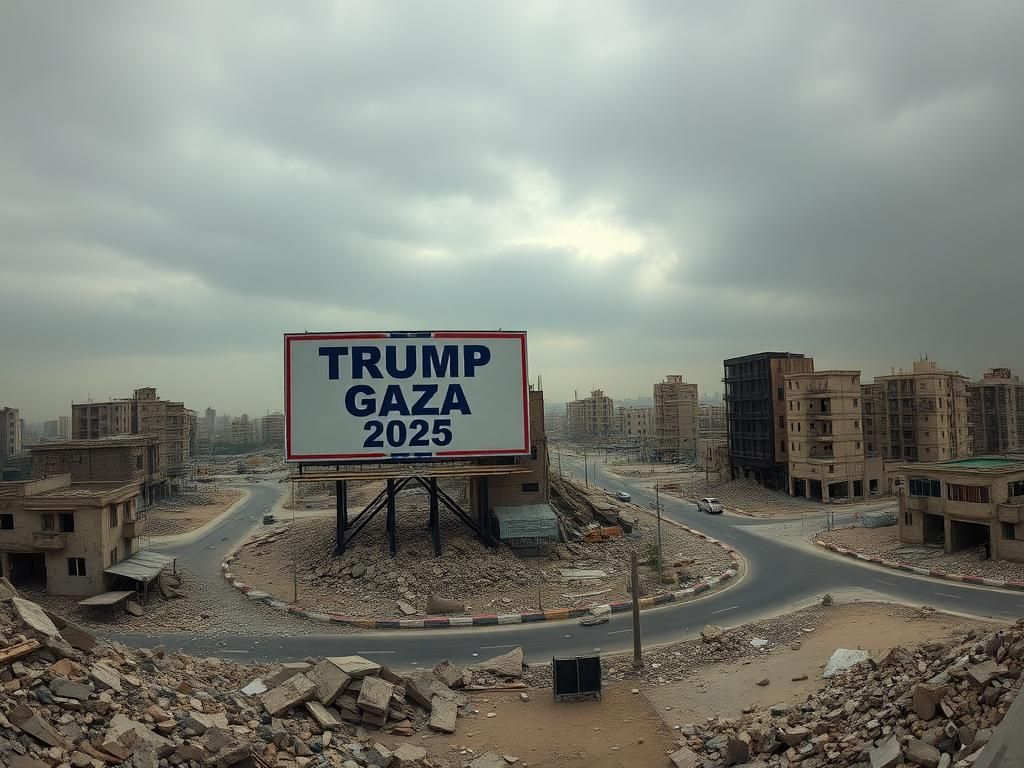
(755, 415)
(143, 414)
(591, 417)
(634, 422)
(62, 535)
(711, 431)
(57, 429)
(826, 450)
(242, 431)
(121, 459)
(675, 419)
(971, 503)
(210, 420)
(272, 429)
(10, 434)
(531, 488)
(917, 415)
(996, 412)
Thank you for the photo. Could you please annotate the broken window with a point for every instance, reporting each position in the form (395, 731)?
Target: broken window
(76, 566)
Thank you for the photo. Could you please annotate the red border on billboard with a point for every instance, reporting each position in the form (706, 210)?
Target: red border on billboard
(289, 337)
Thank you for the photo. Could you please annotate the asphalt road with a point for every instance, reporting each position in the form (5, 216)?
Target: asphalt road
(781, 575)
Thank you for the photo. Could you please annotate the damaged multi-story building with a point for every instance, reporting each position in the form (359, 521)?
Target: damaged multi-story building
(996, 412)
(675, 419)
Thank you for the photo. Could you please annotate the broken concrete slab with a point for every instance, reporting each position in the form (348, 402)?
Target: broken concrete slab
(330, 681)
(355, 667)
(926, 699)
(442, 606)
(285, 671)
(408, 756)
(489, 760)
(34, 617)
(418, 687)
(68, 689)
(684, 758)
(443, 715)
(843, 658)
(922, 753)
(296, 690)
(888, 754)
(448, 674)
(507, 665)
(711, 633)
(324, 717)
(981, 674)
(375, 695)
(134, 608)
(255, 688)
(7, 590)
(406, 608)
(582, 574)
(124, 732)
(105, 678)
(35, 726)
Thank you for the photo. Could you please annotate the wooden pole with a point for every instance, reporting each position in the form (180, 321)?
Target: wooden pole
(638, 661)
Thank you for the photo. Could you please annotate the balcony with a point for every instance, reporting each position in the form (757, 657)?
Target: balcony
(49, 542)
(130, 529)
(1011, 513)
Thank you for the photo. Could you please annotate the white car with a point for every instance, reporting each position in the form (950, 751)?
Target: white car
(622, 496)
(711, 506)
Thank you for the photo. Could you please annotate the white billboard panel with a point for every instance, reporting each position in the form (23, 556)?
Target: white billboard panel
(401, 395)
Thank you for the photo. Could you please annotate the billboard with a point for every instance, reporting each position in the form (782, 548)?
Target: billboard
(403, 395)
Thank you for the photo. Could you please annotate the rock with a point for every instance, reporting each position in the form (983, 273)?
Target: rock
(322, 715)
(887, 754)
(67, 689)
(443, 714)
(133, 608)
(296, 690)
(684, 758)
(375, 695)
(922, 753)
(737, 749)
(255, 688)
(507, 665)
(794, 736)
(442, 605)
(123, 731)
(945, 760)
(105, 678)
(926, 699)
(355, 667)
(358, 571)
(35, 726)
(405, 608)
(408, 755)
(378, 756)
(712, 633)
(489, 760)
(763, 682)
(330, 681)
(843, 658)
(448, 674)
(798, 678)
(33, 617)
(418, 687)
(981, 674)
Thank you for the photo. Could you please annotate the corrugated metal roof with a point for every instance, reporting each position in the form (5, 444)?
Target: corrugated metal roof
(142, 566)
(527, 521)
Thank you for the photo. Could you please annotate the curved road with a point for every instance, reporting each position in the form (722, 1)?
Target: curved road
(781, 575)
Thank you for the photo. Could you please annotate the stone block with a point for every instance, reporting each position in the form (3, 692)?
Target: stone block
(922, 753)
(355, 666)
(507, 665)
(105, 678)
(448, 674)
(888, 754)
(33, 617)
(443, 715)
(330, 681)
(31, 723)
(296, 690)
(926, 699)
(284, 672)
(375, 695)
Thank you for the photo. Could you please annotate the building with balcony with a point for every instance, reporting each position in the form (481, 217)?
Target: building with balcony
(826, 450)
(272, 429)
(917, 415)
(119, 459)
(963, 504)
(996, 412)
(755, 415)
(675, 419)
(591, 417)
(62, 535)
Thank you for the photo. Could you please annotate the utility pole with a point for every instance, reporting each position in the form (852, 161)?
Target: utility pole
(657, 507)
(634, 577)
(707, 472)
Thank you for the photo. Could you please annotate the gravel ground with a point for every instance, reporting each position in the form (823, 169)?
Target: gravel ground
(185, 513)
(883, 542)
(483, 580)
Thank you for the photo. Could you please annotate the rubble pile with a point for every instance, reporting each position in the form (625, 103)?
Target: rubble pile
(66, 700)
(935, 705)
(366, 581)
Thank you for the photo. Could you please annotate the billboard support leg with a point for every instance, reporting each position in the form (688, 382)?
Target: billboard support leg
(341, 512)
(392, 532)
(435, 518)
(485, 533)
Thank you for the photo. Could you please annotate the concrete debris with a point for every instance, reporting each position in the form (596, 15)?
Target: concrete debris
(843, 658)
(133, 608)
(507, 665)
(33, 617)
(711, 633)
(933, 706)
(440, 606)
(111, 705)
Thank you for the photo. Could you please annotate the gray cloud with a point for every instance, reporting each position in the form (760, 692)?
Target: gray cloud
(646, 187)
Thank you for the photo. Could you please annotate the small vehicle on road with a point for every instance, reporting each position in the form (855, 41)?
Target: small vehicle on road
(269, 519)
(710, 505)
(623, 496)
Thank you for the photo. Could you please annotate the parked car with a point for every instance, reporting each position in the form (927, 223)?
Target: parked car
(269, 519)
(623, 496)
(711, 506)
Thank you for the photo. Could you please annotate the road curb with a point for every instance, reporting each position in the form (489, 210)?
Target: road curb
(960, 578)
(489, 619)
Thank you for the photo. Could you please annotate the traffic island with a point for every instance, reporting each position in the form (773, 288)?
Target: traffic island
(471, 585)
(881, 547)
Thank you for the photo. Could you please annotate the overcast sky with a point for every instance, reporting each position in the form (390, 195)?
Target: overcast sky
(646, 188)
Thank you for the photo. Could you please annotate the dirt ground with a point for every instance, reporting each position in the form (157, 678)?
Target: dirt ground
(883, 542)
(166, 521)
(723, 690)
(620, 731)
(321, 495)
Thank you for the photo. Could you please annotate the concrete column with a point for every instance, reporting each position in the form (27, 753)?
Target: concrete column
(947, 531)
